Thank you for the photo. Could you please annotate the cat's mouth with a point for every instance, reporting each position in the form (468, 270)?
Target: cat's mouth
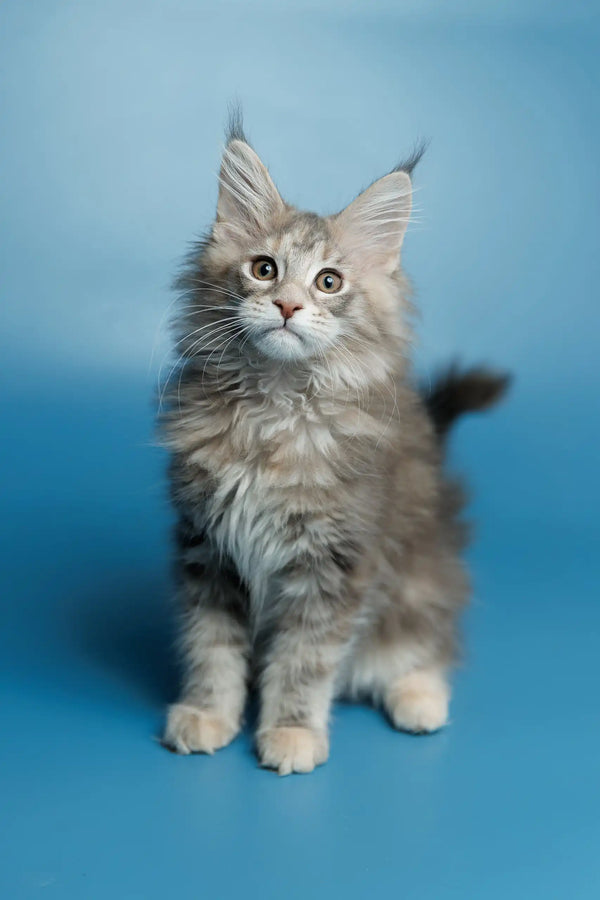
(284, 331)
(283, 342)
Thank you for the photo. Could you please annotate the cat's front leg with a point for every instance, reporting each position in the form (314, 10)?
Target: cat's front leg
(215, 650)
(297, 680)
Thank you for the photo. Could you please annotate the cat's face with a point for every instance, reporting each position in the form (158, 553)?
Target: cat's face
(300, 284)
(298, 291)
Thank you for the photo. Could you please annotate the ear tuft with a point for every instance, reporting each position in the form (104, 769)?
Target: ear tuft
(374, 224)
(409, 164)
(235, 124)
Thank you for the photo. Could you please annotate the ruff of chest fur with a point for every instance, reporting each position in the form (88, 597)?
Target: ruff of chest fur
(279, 443)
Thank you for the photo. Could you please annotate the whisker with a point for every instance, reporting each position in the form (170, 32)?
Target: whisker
(217, 287)
(189, 352)
(185, 352)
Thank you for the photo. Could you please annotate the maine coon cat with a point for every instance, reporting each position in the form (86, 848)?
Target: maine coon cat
(319, 539)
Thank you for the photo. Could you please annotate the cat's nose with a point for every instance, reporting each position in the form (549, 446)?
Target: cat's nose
(287, 307)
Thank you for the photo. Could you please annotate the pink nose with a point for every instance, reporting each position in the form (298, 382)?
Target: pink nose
(287, 308)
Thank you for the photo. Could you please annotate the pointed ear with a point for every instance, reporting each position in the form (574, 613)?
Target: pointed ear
(247, 195)
(374, 224)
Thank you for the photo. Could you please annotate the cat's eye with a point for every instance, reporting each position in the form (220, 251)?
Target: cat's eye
(264, 268)
(328, 281)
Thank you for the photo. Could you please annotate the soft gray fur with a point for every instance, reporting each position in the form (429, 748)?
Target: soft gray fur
(318, 540)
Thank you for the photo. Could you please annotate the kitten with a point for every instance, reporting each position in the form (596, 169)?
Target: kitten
(318, 537)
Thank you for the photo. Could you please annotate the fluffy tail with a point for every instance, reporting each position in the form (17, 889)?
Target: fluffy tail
(455, 392)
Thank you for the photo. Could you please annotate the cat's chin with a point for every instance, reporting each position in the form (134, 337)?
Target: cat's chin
(283, 343)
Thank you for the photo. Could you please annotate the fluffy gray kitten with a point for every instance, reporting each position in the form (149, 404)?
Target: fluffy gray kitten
(318, 537)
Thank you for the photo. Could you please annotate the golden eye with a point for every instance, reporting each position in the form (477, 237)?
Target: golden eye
(264, 268)
(328, 282)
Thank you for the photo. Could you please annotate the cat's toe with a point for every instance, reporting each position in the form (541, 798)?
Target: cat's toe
(193, 730)
(292, 749)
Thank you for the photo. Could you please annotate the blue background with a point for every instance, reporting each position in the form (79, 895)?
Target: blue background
(111, 118)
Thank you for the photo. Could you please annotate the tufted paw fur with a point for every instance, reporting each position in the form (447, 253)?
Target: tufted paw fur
(193, 730)
(418, 702)
(292, 749)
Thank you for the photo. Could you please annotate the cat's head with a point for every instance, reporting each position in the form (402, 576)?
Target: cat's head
(294, 286)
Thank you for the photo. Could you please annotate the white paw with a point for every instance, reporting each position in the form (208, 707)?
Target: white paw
(193, 730)
(292, 749)
(419, 703)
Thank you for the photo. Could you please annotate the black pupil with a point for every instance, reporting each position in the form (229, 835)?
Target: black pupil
(328, 282)
(265, 269)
